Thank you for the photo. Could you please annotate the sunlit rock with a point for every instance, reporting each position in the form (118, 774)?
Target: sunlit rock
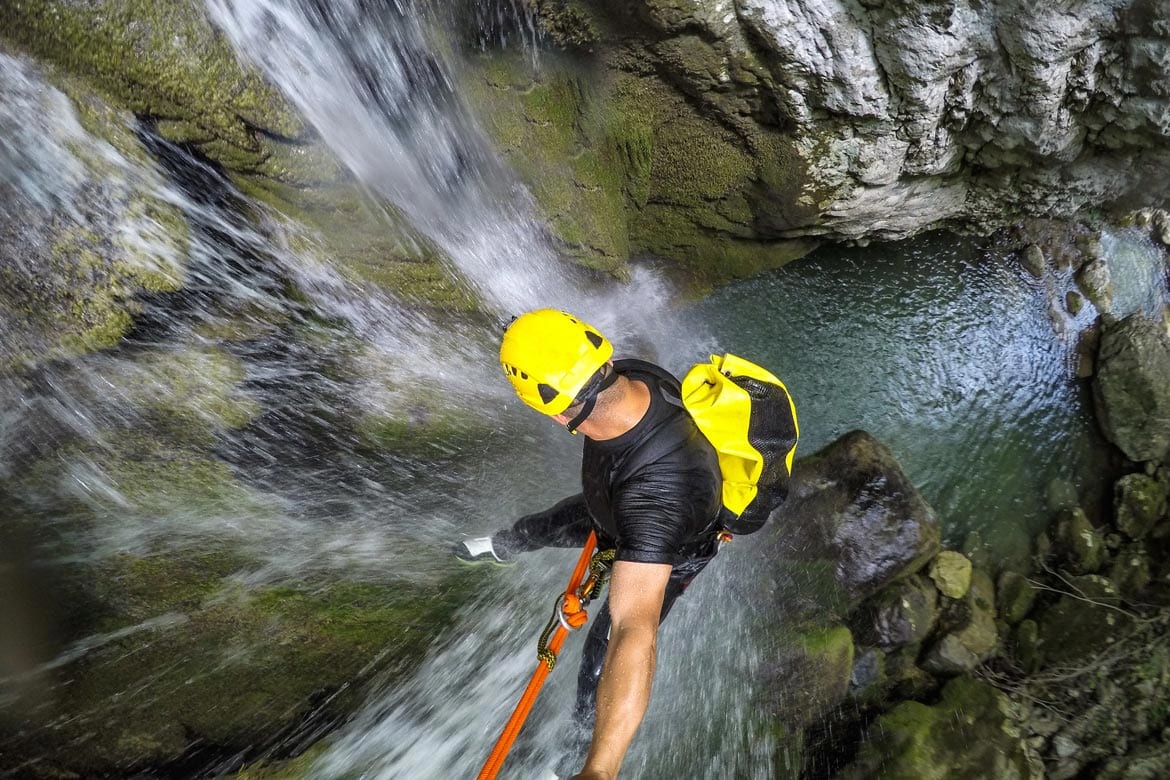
(951, 573)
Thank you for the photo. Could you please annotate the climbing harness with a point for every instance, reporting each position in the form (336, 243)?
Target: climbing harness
(568, 615)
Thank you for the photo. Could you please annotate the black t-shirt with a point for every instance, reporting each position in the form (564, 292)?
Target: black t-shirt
(655, 491)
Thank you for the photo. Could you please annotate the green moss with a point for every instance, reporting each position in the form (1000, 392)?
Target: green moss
(163, 60)
(299, 768)
(967, 735)
(197, 388)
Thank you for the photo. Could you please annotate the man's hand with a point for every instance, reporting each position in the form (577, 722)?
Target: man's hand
(635, 605)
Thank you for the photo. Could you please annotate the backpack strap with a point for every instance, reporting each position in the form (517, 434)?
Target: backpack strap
(668, 383)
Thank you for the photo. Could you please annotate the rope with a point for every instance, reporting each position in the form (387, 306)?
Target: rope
(568, 613)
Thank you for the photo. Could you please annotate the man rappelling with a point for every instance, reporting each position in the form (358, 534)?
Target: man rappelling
(652, 492)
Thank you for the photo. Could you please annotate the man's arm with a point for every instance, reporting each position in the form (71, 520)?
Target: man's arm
(635, 604)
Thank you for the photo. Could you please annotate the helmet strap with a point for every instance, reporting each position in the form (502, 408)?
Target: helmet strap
(607, 380)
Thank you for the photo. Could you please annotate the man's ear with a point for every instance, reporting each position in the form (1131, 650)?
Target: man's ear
(562, 419)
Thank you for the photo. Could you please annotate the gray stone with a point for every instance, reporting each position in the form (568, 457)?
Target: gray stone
(1132, 387)
(850, 505)
(1131, 571)
(1061, 494)
(901, 614)
(1139, 503)
(1032, 258)
(1014, 596)
(1078, 543)
(972, 638)
(1026, 646)
(1096, 283)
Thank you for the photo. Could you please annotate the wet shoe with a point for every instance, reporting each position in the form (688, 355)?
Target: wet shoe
(480, 550)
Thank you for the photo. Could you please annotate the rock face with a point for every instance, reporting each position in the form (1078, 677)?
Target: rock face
(851, 504)
(880, 119)
(1132, 387)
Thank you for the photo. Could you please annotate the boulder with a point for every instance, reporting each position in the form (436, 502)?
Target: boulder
(850, 505)
(1139, 503)
(1131, 390)
(969, 634)
(1032, 258)
(1078, 543)
(811, 674)
(1096, 283)
(903, 613)
(951, 573)
(1015, 596)
(1082, 624)
(969, 735)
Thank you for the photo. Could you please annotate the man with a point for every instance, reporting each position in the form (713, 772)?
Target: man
(651, 491)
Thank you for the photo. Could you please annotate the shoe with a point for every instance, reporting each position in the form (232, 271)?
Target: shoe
(480, 550)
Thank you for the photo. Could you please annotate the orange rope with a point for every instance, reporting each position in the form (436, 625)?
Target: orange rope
(516, 722)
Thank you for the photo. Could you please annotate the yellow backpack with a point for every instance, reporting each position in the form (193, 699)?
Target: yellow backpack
(748, 416)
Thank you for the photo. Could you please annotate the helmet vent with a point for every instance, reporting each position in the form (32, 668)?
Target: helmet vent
(547, 392)
(594, 338)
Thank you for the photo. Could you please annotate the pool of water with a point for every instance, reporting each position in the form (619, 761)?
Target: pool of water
(954, 357)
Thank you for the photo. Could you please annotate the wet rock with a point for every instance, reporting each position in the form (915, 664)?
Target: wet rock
(810, 675)
(1061, 494)
(951, 573)
(1026, 646)
(1139, 503)
(971, 733)
(1015, 596)
(901, 614)
(868, 678)
(1132, 387)
(1088, 342)
(1073, 303)
(1097, 284)
(1083, 623)
(1131, 571)
(1078, 543)
(969, 633)
(851, 505)
(1032, 258)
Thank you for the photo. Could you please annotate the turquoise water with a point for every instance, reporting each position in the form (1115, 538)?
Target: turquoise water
(946, 353)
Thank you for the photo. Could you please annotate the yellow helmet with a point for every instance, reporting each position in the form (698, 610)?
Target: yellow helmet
(549, 355)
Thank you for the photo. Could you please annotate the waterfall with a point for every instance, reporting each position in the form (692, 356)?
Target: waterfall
(378, 94)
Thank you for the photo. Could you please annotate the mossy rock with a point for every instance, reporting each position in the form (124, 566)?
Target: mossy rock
(163, 60)
(968, 735)
(810, 675)
(183, 658)
(1139, 503)
(72, 269)
(951, 573)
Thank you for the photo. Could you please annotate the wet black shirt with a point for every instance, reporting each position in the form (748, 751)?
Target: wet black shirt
(654, 492)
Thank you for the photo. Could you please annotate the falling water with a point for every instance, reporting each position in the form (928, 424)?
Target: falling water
(238, 385)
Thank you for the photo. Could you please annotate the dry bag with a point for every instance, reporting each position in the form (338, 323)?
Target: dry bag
(748, 416)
